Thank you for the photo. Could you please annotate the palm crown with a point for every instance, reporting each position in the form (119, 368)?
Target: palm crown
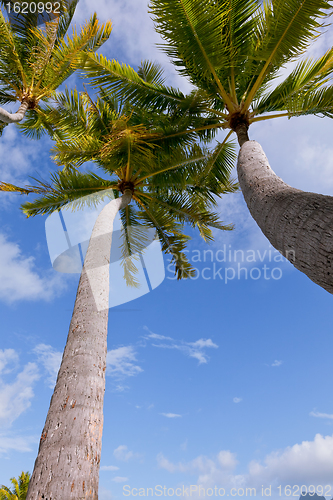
(35, 61)
(231, 51)
(172, 183)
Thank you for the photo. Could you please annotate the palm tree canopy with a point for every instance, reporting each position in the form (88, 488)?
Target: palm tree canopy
(36, 60)
(232, 51)
(19, 488)
(173, 183)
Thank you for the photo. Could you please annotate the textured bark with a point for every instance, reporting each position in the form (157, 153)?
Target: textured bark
(297, 223)
(15, 117)
(67, 465)
(242, 133)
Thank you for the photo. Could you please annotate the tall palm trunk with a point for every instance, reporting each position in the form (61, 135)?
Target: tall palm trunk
(67, 465)
(297, 223)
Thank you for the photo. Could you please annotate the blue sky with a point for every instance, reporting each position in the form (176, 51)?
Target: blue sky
(211, 382)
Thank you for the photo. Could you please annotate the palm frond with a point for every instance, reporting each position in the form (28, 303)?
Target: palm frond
(284, 31)
(70, 186)
(308, 75)
(123, 81)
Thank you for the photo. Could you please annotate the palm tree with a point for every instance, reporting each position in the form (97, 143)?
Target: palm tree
(232, 51)
(157, 185)
(19, 489)
(36, 60)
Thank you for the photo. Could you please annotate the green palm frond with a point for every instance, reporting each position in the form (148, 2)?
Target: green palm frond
(313, 102)
(171, 236)
(19, 489)
(307, 75)
(5, 186)
(151, 72)
(65, 187)
(123, 81)
(10, 56)
(207, 41)
(285, 30)
(66, 55)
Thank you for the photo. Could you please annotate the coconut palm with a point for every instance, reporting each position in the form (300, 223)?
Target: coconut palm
(232, 51)
(36, 60)
(156, 185)
(19, 488)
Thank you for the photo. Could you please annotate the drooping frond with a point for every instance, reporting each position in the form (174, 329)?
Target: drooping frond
(70, 186)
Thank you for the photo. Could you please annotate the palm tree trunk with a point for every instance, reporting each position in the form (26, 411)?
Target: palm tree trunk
(297, 223)
(15, 117)
(67, 465)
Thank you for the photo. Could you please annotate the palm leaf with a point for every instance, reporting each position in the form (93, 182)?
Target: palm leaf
(285, 30)
(123, 81)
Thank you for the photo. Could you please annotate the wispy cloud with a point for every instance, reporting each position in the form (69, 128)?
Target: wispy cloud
(21, 444)
(123, 454)
(237, 400)
(19, 276)
(155, 336)
(119, 479)
(16, 396)
(321, 415)
(50, 359)
(191, 349)
(8, 360)
(19, 155)
(109, 467)
(171, 415)
(277, 362)
(224, 460)
(121, 363)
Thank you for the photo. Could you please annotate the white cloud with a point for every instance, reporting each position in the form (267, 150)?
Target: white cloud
(19, 154)
(191, 349)
(21, 444)
(19, 278)
(123, 454)
(16, 397)
(120, 388)
(277, 363)
(237, 400)
(109, 467)
(119, 479)
(155, 336)
(321, 415)
(8, 357)
(310, 462)
(170, 415)
(121, 362)
(50, 359)
(224, 461)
